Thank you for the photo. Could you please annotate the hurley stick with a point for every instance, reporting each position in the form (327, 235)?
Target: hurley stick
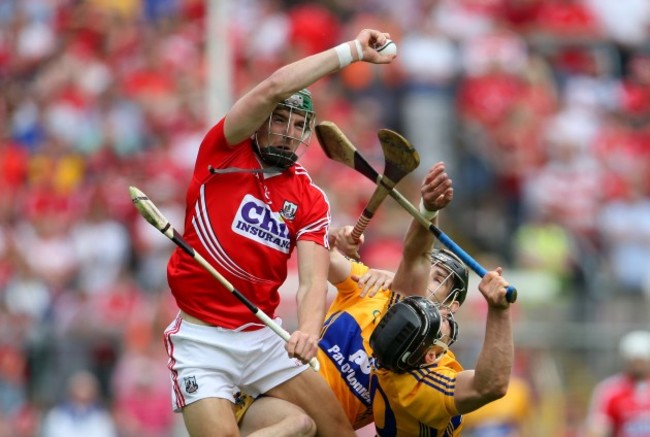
(400, 159)
(152, 214)
(339, 148)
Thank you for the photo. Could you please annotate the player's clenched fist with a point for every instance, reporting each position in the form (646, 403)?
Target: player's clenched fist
(302, 345)
(493, 287)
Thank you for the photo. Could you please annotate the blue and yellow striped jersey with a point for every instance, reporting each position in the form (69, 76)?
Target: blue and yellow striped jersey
(344, 354)
(419, 403)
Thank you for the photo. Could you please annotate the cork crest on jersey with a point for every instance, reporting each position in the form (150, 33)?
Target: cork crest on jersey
(289, 210)
(255, 220)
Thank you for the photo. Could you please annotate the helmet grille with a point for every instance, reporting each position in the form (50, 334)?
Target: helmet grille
(405, 333)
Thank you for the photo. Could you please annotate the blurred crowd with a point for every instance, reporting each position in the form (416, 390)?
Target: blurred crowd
(540, 108)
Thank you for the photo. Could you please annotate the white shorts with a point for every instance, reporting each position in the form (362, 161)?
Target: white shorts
(212, 362)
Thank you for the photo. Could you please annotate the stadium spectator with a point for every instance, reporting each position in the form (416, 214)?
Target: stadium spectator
(627, 24)
(624, 226)
(620, 405)
(13, 384)
(102, 246)
(570, 172)
(141, 392)
(81, 413)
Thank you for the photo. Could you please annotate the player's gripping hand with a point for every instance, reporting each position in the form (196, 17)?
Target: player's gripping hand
(373, 281)
(493, 287)
(341, 238)
(436, 189)
(302, 345)
(370, 40)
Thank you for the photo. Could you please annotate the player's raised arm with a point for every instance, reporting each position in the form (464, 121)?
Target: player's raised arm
(412, 275)
(489, 380)
(250, 111)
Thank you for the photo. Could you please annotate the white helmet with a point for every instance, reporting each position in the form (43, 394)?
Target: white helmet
(635, 345)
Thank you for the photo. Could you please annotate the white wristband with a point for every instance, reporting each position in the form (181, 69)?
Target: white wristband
(344, 53)
(357, 43)
(429, 215)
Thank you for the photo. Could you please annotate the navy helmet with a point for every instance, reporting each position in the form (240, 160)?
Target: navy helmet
(406, 332)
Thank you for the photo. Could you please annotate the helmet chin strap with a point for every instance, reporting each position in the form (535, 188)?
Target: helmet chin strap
(270, 169)
(278, 157)
(274, 156)
(442, 353)
(213, 170)
(256, 148)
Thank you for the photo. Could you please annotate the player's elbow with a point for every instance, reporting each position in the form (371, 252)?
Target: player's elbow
(479, 399)
(495, 390)
(499, 392)
(275, 87)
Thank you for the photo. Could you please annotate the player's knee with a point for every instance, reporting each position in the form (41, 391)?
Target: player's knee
(302, 425)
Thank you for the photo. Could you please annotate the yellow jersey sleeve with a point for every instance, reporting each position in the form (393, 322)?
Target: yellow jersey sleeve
(416, 403)
(348, 290)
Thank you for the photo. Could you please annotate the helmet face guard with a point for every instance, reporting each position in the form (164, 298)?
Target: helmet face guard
(458, 272)
(405, 334)
(453, 329)
(283, 153)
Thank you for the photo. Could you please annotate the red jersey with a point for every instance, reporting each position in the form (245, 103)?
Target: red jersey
(246, 225)
(624, 405)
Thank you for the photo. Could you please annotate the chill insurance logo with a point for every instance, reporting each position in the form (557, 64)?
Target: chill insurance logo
(256, 221)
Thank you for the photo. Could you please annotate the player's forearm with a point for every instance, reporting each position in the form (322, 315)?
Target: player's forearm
(249, 112)
(302, 73)
(313, 264)
(494, 364)
(311, 309)
(418, 243)
(489, 380)
(412, 274)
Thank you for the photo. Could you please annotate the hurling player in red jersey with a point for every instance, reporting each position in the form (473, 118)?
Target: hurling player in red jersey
(620, 404)
(248, 206)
